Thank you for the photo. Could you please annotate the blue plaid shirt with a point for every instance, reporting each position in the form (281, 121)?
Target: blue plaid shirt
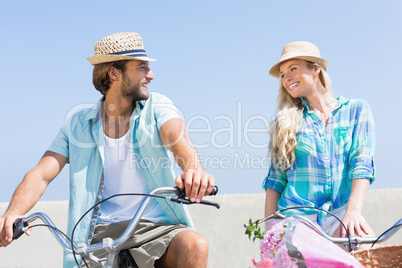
(327, 159)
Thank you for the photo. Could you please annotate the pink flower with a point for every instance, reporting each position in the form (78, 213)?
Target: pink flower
(271, 240)
(264, 263)
(282, 259)
(272, 254)
(253, 261)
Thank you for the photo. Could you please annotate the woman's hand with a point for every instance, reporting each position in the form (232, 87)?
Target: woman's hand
(353, 220)
(355, 223)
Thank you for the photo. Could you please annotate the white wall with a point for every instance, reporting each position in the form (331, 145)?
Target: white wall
(229, 246)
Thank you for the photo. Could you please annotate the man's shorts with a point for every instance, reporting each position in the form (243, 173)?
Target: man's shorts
(148, 242)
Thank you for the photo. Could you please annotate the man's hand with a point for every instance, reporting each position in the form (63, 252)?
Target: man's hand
(6, 229)
(197, 184)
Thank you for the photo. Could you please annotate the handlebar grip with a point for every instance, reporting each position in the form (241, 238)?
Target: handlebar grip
(19, 228)
(214, 191)
(183, 200)
(182, 193)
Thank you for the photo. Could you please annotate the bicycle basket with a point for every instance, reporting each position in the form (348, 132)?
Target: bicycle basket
(382, 256)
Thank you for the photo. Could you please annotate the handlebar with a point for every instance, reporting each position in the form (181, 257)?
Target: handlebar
(181, 198)
(22, 224)
(353, 241)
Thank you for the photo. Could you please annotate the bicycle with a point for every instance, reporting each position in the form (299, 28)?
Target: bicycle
(108, 245)
(371, 257)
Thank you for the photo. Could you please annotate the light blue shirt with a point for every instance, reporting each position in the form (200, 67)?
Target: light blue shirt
(81, 141)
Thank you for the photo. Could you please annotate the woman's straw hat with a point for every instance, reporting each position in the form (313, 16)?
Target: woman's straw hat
(299, 50)
(119, 46)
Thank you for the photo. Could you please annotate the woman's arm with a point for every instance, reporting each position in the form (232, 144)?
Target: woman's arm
(353, 219)
(271, 201)
(362, 172)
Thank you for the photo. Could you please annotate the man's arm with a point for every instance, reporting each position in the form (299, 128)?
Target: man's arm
(29, 191)
(196, 182)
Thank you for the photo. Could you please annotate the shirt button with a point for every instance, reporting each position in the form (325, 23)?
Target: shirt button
(96, 209)
(101, 184)
(90, 234)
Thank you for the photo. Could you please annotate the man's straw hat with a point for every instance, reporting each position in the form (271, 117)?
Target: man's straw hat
(299, 50)
(119, 46)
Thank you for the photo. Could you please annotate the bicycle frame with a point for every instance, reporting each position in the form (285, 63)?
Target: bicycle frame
(112, 247)
(354, 241)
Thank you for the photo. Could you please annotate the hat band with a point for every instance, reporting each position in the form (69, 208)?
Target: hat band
(132, 53)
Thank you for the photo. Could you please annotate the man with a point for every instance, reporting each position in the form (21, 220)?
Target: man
(119, 146)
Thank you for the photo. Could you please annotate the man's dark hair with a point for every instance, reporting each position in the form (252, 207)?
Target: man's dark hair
(100, 76)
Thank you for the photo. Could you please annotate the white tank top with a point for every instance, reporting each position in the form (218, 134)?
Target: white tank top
(122, 175)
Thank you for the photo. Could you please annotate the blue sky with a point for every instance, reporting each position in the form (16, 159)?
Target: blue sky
(213, 62)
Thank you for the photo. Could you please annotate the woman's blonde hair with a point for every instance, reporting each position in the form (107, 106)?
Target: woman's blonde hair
(288, 121)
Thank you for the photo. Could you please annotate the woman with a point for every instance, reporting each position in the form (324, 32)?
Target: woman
(321, 147)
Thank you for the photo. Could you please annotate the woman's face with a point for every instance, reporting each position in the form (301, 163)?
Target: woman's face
(297, 78)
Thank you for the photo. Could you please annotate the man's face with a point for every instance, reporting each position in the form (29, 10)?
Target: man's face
(135, 80)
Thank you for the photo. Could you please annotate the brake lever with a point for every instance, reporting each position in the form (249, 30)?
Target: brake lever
(210, 203)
